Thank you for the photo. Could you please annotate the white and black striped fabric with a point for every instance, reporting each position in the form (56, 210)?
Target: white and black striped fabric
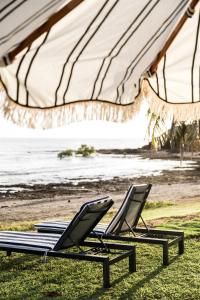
(19, 18)
(178, 76)
(77, 230)
(28, 239)
(57, 226)
(99, 51)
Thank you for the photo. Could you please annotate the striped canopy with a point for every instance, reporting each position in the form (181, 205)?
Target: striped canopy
(63, 61)
(177, 79)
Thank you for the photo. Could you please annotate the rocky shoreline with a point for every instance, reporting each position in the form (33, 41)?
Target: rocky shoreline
(24, 191)
(147, 153)
(55, 200)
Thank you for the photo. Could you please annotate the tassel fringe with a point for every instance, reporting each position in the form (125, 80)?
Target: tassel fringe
(60, 116)
(95, 110)
(179, 111)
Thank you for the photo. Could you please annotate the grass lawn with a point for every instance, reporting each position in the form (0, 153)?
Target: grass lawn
(178, 208)
(27, 277)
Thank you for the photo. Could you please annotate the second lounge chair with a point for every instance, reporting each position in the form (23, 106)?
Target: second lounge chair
(126, 221)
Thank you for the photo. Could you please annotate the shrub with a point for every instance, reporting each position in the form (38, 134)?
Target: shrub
(67, 152)
(85, 150)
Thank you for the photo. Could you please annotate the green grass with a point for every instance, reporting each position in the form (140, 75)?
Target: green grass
(191, 228)
(177, 209)
(23, 226)
(158, 204)
(28, 277)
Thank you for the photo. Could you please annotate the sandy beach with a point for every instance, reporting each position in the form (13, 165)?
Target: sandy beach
(52, 201)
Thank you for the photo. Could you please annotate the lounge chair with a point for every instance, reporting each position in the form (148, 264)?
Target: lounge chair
(73, 236)
(126, 221)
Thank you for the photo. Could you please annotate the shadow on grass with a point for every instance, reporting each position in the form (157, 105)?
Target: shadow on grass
(22, 261)
(135, 283)
(134, 286)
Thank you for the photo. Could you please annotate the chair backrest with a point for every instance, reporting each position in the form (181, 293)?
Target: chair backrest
(83, 223)
(130, 211)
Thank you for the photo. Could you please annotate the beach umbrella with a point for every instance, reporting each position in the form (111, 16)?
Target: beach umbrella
(177, 79)
(64, 61)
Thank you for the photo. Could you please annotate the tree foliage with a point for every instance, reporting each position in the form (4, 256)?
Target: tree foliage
(67, 152)
(180, 137)
(84, 150)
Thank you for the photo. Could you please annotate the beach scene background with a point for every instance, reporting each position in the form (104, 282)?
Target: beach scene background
(99, 62)
(35, 161)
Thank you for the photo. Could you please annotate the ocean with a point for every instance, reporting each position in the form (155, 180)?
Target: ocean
(26, 161)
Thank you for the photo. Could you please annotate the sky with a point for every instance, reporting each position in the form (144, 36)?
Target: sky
(135, 129)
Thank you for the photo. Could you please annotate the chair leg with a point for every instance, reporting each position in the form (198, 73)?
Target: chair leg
(181, 246)
(106, 274)
(165, 254)
(132, 262)
(8, 253)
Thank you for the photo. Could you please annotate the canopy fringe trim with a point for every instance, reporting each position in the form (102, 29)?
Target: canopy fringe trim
(179, 111)
(59, 116)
